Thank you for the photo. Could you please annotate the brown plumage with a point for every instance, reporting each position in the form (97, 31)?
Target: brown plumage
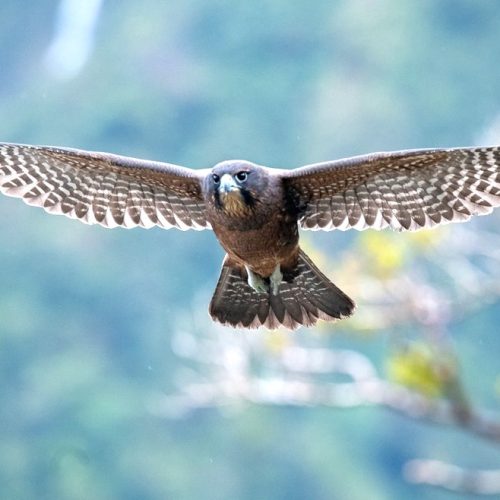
(256, 212)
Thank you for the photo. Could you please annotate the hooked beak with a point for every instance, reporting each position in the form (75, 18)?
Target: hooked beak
(228, 184)
(231, 198)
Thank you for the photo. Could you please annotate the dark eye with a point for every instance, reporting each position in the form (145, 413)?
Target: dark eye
(216, 178)
(241, 176)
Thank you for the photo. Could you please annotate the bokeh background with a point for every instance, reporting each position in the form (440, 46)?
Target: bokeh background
(114, 384)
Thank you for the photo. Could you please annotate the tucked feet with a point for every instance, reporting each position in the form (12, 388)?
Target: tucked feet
(275, 279)
(257, 282)
(265, 285)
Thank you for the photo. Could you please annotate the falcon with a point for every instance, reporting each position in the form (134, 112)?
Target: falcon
(256, 212)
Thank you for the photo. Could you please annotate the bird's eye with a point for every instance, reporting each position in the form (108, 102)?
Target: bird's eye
(216, 178)
(241, 176)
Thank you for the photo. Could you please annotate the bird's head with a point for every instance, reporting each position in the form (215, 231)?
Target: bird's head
(236, 186)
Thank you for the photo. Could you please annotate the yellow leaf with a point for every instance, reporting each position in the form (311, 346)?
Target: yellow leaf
(422, 369)
(386, 254)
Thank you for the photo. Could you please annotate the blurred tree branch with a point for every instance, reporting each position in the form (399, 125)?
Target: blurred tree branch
(453, 478)
(233, 379)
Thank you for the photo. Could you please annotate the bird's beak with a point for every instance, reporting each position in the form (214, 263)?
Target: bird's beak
(231, 197)
(228, 184)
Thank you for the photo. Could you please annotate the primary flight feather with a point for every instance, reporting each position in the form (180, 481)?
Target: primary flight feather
(255, 211)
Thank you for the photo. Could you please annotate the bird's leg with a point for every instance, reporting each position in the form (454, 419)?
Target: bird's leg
(275, 280)
(256, 281)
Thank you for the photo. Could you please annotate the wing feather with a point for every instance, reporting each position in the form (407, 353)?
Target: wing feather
(105, 189)
(404, 190)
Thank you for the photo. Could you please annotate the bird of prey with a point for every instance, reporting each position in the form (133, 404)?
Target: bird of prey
(256, 212)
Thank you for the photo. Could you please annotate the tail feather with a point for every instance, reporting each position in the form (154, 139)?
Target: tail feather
(305, 296)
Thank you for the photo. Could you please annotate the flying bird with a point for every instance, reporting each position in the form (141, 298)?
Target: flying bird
(256, 212)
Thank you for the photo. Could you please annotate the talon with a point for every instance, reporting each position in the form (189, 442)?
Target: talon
(257, 282)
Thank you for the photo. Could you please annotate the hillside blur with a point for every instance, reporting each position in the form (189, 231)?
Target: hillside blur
(87, 315)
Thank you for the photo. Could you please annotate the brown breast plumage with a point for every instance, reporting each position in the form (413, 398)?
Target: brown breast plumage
(251, 219)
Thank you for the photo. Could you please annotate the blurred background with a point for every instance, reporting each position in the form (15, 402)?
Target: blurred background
(114, 384)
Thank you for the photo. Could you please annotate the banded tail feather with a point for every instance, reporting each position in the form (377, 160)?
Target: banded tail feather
(304, 296)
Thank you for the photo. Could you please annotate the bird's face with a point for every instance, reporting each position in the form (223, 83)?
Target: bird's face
(236, 187)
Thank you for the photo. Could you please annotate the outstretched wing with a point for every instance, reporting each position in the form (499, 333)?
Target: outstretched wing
(105, 189)
(405, 190)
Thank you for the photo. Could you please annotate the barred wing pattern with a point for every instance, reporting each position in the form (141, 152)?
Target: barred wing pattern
(105, 189)
(405, 190)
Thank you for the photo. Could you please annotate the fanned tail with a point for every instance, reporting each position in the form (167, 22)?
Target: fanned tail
(304, 296)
